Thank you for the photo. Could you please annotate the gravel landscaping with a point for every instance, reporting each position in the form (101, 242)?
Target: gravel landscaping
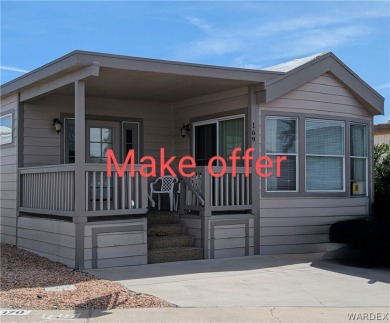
(24, 277)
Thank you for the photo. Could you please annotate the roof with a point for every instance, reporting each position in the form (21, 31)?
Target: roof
(127, 77)
(290, 65)
(382, 126)
(300, 71)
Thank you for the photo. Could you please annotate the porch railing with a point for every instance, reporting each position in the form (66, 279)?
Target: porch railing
(120, 195)
(47, 189)
(51, 190)
(225, 193)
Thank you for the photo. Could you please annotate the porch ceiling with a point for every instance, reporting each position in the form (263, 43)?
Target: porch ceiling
(144, 85)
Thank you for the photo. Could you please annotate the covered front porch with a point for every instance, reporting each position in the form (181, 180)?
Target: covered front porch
(142, 105)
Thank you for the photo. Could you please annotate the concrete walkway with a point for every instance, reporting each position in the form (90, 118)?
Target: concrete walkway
(257, 281)
(283, 289)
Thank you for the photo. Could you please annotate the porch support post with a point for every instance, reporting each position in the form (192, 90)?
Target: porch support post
(80, 217)
(254, 136)
(205, 213)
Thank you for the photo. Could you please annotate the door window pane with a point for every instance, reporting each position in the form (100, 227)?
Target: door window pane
(106, 135)
(231, 136)
(205, 143)
(94, 150)
(100, 142)
(70, 132)
(95, 134)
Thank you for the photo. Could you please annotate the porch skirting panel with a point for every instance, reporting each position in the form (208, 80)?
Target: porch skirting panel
(52, 239)
(230, 235)
(115, 244)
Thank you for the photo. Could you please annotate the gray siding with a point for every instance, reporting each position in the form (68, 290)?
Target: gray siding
(52, 239)
(324, 95)
(301, 224)
(42, 143)
(8, 176)
(115, 244)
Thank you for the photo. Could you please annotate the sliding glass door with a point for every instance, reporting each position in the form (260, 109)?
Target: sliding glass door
(218, 137)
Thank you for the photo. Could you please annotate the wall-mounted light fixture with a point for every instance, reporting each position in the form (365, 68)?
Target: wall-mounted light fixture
(57, 125)
(185, 129)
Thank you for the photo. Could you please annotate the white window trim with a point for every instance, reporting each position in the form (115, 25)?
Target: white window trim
(338, 156)
(285, 154)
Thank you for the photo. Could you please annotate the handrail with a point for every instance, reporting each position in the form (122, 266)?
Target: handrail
(188, 184)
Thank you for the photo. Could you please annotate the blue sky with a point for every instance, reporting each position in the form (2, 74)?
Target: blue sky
(253, 34)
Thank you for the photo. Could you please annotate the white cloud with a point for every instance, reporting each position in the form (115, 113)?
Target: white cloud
(200, 23)
(384, 86)
(13, 69)
(259, 40)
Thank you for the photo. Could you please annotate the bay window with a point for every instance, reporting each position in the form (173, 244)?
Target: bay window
(281, 135)
(325, 155)
(358, 159)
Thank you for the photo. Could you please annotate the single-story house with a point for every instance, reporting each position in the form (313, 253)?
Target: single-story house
(59, 121)
(382, 133)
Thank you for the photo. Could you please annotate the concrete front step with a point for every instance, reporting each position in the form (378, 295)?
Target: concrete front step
(171, 241)
(161, 217)
(166, 229)
(174, 254)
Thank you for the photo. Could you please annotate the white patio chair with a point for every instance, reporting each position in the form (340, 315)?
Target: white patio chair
(167, 185)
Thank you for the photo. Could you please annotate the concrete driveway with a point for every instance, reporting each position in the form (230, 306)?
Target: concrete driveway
(257, 281)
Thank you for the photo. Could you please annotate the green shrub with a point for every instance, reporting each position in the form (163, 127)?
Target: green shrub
(382, 180)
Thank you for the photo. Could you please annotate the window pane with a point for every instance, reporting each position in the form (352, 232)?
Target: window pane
(106, 135)
(205, 143)
(231, 136)
(129, 136)
(95, 134)
(358, 140)
(105, 147)
(324, 137)
(70, 132)
(288, 179)
(324, 173)
(95, 150)
(6, 129)
(358, 176)
(281, 135)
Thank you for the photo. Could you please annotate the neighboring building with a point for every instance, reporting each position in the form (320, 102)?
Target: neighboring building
(57, 201)
(382, 133)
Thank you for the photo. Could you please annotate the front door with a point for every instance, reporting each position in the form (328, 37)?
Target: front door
(101, 136)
